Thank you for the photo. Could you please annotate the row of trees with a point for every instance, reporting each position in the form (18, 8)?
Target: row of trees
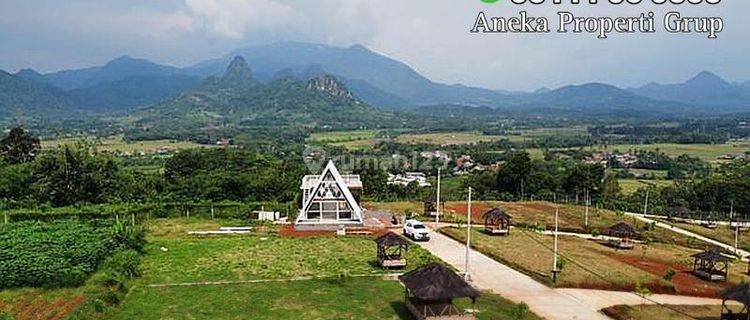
(73, 174)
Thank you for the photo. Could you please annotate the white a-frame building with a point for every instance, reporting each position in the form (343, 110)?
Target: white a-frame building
(328, 199)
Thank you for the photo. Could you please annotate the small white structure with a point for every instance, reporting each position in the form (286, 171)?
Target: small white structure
(267, 215)
(407, 178)
(327, 199)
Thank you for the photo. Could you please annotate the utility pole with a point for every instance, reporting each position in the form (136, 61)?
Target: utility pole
(736, 237)
(586, 215)
(437, 212)
(554, 252)
(467, 276)
(645, 204)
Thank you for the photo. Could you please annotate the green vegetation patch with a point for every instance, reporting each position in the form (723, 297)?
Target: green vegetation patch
(238, 258)
(446, 138)
(347, 298)
(50, 254)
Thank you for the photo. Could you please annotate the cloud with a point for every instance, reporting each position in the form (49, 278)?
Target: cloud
(429, 35)
(235, 19)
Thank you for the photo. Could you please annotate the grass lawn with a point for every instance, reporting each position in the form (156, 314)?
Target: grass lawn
(664, 312)
(446, 138)
(363, 298)
(268, 257)
(117, 144)
(589, 264)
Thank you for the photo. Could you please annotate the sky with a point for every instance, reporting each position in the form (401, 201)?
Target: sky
(431, 36)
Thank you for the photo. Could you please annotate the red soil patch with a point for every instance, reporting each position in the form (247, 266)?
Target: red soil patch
(37, 309)
(685, 283)
(477, 209)
(539, 206)
(288, 231)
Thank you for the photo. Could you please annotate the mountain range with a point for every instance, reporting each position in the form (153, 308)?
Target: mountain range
(236, 101)
(126, 84)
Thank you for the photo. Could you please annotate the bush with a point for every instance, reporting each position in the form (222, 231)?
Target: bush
(521, 311)
(128, 236)
(670, 274)
(71, 251)
(125, 262)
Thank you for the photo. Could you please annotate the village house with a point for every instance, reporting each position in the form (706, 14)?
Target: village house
(407, 178)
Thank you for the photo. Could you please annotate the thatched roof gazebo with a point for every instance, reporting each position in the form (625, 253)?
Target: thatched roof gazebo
(711, 265)
(497, 222)
(430, 206)
(430, 292)
(625, 234)
(391, 250)
(739, 293)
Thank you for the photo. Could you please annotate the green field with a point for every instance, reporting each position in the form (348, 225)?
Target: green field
(342, 136)
(446, 138)
(531, 134)
(118, 145)
(351, 140)
(269, 262)
(630, 186)
(705, 152)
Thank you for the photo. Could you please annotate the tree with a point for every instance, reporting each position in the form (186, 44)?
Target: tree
(514, 173)
(611, 186)
(19, 146)
(584, 177)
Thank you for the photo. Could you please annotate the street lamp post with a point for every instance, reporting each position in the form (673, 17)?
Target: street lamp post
(467, 276)
(554, 260)
(437, 209)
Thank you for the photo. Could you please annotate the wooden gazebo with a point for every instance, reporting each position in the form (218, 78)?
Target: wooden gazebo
(739, 293)
(711, 265)
(496, 222)
(391, 250)
(430, 292)
(624, 234)
(430, 206)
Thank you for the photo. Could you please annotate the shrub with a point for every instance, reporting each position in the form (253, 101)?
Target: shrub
(125, 262)
(521, 311)
(670, 274)
(128, 236)
(71, 251)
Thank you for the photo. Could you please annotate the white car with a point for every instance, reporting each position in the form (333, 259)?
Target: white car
(416, 230)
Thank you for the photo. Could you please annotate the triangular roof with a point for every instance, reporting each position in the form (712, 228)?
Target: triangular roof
(712, 255)
(331, 169)
(496, 213)
(391, 239)
(623, 228)
(435, 282)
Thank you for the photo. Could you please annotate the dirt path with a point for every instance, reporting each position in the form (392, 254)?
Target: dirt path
(552, 304)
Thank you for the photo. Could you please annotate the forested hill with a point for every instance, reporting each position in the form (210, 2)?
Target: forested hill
(21, 97)
(224, 106)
